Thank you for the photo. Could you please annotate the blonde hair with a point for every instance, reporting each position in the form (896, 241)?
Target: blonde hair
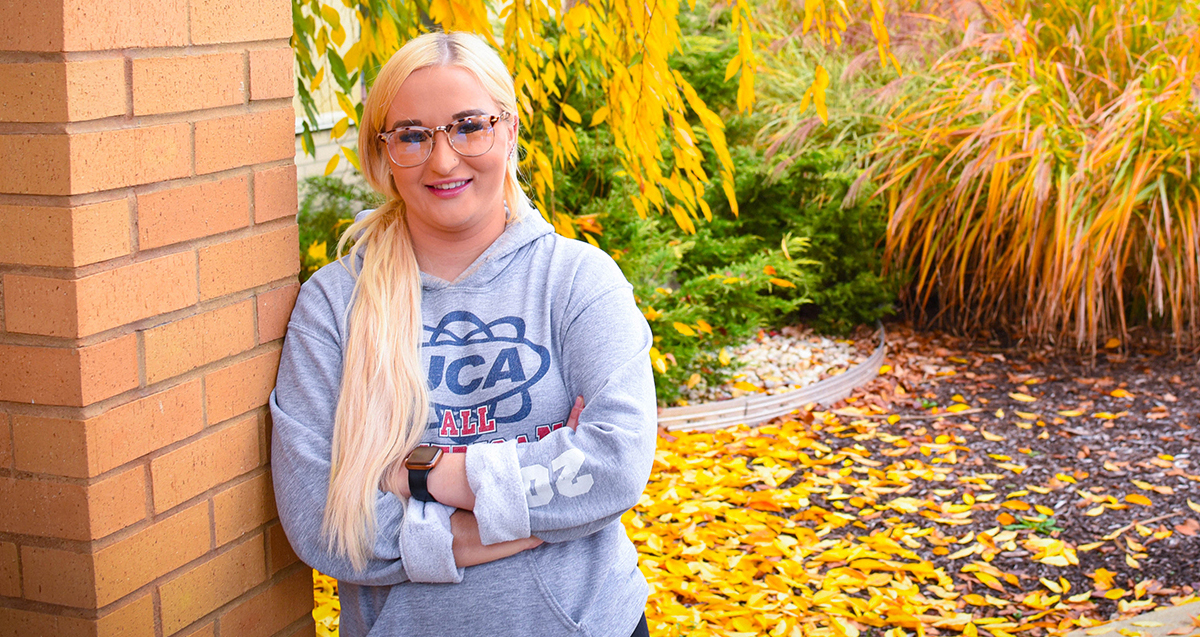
(383, 404)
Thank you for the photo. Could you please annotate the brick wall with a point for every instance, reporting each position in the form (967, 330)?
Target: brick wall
(148, 263)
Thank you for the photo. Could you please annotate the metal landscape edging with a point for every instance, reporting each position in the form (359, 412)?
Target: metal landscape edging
(756, 409)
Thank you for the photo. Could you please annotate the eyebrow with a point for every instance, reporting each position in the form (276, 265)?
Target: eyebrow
(457, 116)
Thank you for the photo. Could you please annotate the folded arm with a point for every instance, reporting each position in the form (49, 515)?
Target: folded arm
(576, 480)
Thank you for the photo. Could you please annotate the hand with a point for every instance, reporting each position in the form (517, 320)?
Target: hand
(576, 409)
(469, 550)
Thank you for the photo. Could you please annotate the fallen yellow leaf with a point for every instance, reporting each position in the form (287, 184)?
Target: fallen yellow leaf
(1025, 398)
(1137, 498)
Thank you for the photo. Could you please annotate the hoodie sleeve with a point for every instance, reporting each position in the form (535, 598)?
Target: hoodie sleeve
(413, 547)
(573, 483)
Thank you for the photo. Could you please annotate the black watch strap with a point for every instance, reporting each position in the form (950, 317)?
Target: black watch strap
(418, 485)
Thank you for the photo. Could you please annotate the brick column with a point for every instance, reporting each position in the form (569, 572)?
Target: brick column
(148, 261)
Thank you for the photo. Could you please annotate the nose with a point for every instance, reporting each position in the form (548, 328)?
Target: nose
(442, 159)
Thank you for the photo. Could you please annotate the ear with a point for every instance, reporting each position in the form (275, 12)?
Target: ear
(516, 128)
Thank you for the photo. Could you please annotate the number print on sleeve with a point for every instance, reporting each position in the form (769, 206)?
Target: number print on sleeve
(568, 483)
(537, 479)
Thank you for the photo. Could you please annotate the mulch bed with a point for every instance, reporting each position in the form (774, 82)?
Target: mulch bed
(1113, 440)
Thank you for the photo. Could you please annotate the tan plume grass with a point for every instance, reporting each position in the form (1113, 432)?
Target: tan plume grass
(1046, 183)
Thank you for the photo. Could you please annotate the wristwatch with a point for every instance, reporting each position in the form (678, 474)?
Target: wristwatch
(420, 462)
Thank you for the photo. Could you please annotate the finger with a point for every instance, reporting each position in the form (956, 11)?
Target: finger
(576, 409)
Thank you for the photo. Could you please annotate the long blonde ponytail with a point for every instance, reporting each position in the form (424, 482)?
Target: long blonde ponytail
(383, 404)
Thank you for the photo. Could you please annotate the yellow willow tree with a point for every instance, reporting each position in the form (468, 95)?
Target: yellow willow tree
(615, 53)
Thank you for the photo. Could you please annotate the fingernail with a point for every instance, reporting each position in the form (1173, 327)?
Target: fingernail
(578, 401)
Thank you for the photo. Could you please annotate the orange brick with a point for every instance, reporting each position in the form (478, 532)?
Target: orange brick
(240, 387)
(85, 448)
(135, 618)
(41, 305)
(6, 445)
(68, 376)
(82, 307)
(73, 512)
(217, 21)
(23, 623)
(62, 91)
(35, 164)
(275, 193)
(65, 237)
(187, 83)
(32, 26)
(241, 140)
(193, 211)
(128, 157)
(279, 550)
(271, 610)
(10, 576)
(274, 310)
(117, 502)
(271, 73)
(151, 553)
(248, 262)
(84, 580)
(243, 508)
(58, 577)
(51, 445)
(53, 509)
(307, 629)
(205, 588)
(183, 345)
(120, 24)
(62, 164)
(204, 463)
(207, 630)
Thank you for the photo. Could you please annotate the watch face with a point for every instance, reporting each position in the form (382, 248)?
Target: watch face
(423, 458)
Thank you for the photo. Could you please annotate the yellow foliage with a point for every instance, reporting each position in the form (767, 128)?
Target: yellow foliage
(619, 51)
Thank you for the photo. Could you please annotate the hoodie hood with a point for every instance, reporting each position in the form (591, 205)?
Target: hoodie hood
(526, 228)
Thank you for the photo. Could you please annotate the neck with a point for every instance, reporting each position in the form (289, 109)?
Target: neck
(446, 254)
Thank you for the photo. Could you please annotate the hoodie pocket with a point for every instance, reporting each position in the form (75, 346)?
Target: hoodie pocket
(547, 592)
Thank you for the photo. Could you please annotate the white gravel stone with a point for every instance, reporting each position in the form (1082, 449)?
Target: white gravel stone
(778, 362)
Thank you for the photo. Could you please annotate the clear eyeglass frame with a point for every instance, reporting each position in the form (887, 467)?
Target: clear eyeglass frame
(452, 129)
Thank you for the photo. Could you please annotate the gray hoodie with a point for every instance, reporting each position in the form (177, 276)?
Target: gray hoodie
(536, 320)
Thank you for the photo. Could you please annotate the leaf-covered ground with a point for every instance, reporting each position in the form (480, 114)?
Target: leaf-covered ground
(963, 492)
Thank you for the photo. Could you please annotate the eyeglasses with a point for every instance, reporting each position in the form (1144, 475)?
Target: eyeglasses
(473, 136)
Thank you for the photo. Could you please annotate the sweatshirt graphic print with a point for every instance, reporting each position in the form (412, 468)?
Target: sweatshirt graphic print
(483, 367)
(534, 322)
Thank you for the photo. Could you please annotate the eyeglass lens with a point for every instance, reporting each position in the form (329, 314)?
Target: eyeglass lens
(470, 137)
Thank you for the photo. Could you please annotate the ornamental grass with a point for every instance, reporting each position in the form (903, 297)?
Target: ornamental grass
(1046, 183)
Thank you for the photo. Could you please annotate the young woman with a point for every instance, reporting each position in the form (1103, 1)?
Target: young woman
(425, 451)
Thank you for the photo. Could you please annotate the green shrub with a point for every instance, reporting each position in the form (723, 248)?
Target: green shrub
(806, 200)
(696, 310)
(717, 284)
(327, 206)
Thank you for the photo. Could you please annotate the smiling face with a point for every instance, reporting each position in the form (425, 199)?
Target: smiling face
(450, 195)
